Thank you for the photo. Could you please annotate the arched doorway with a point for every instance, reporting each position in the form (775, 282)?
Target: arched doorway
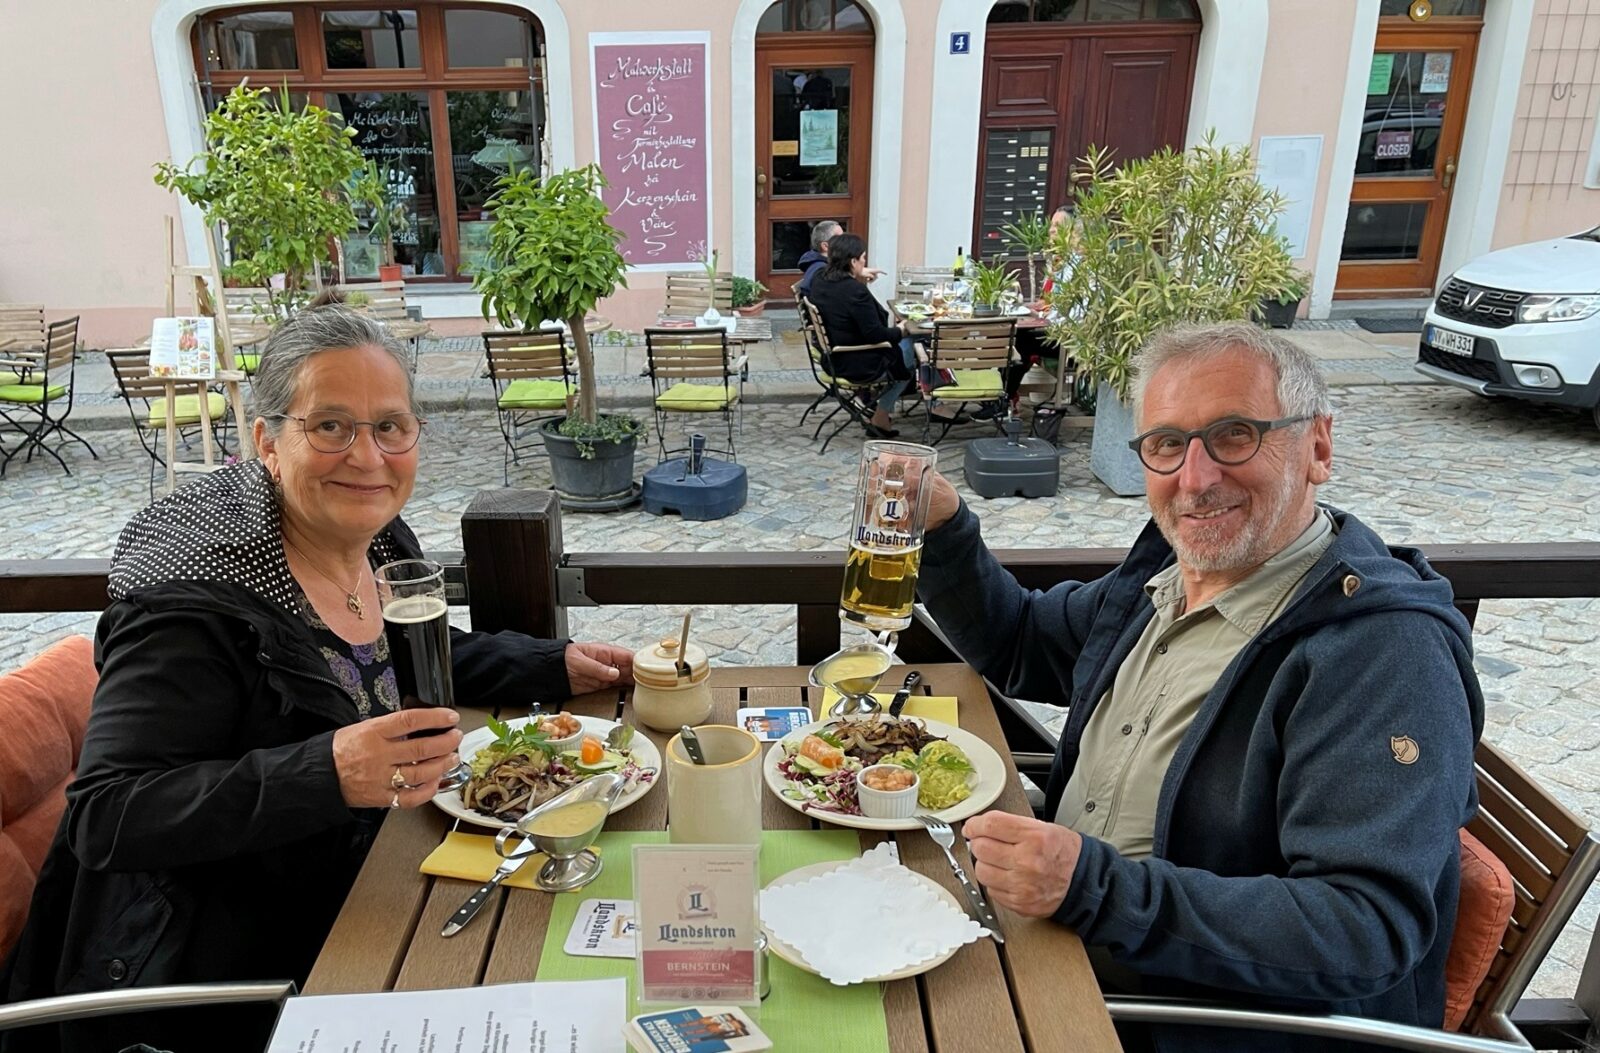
(1062, 75)
(813, 78)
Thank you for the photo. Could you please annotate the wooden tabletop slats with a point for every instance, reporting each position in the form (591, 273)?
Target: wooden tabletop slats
(1035, 993)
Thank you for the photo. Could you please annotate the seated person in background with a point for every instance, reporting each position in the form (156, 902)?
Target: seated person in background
(1268, 752)
(247, 736)
(816, 258)
(853, 316)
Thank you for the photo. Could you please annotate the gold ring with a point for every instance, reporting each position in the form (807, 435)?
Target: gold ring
(397, 780)
(394, 802)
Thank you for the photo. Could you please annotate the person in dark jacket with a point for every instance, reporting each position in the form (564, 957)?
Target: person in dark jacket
(247, 734)
(816, 257)
(852, 316)
(1268, 752)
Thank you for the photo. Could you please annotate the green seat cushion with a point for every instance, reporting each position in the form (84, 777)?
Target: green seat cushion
(687, 397)
(972, 385)
(8, 378)
(248, 363)
(188, 410)
(30, 393)
(537, 394)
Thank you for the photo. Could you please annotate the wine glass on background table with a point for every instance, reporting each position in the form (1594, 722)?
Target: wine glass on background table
(416, 616)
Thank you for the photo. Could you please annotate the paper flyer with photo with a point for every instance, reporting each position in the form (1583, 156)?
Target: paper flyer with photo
(697, 923)
(697, 1029)
(183, 348)
(819, 137)
(772, 723)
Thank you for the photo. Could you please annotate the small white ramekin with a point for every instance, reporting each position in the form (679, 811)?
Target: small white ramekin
(887, 804)
(567, 742)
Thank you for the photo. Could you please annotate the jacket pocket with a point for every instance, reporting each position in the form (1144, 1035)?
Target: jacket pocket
(131, 947)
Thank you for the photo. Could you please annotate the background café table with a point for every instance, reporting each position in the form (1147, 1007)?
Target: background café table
(1036, 992)
(924, 326)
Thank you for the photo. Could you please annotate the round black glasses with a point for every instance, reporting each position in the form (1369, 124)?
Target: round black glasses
(1230, 441)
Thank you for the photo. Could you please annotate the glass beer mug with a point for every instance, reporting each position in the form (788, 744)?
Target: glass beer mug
(891, 512)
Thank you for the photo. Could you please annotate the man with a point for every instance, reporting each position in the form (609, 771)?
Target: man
(816, 259)
(1272, 715)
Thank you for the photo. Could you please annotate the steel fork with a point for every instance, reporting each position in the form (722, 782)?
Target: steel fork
(945, 838)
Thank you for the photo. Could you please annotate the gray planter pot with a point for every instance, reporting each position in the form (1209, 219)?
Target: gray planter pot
(595, 483)
(985, 310)
(1109, 457)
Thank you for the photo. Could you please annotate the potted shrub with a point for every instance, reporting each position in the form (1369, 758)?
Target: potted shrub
(380, 191)
(1031, 235)
(1279, 308)
(990, 281)
(748, 297)
(282, 183)
(552, 254)
(1172, 238)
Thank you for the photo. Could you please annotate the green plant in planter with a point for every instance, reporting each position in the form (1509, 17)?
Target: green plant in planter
(1294, 287)
(1031, 234)
(377, 188)
(747, 292)
(1175, 237)
(281, 182)
(553, 254)
(989, 282)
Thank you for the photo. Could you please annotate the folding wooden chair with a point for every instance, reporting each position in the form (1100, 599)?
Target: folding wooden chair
(690, 293)
(675, 358)
(146, 397)
(386, 301)
(21, 334)
(532, 377)
(851, 396)
(38, 404)
(977, 351)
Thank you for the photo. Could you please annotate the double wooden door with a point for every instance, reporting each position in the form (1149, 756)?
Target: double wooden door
(813, 146)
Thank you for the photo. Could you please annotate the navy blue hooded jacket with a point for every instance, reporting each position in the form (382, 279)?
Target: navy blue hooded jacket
(1299, 861)
(812, 264)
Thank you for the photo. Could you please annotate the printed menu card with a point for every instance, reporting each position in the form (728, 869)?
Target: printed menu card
(696, 913)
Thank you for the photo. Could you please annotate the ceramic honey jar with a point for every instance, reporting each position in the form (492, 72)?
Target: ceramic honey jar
(665, 696)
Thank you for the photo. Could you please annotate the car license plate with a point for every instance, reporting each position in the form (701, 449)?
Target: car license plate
(1455, 343)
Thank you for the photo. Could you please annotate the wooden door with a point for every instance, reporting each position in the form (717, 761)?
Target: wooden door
(813, 146)
(1407, 159)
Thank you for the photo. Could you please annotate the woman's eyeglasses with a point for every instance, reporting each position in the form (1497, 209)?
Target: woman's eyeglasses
(330, 431)
(1230, 441)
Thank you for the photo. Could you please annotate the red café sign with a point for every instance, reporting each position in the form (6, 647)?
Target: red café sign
(650, 106)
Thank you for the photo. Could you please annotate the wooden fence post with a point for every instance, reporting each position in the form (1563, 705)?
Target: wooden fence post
(513, 546)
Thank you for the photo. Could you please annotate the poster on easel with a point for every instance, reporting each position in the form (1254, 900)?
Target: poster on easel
(183, 349)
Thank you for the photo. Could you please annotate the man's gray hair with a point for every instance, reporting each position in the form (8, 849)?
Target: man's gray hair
(824, 230)
(1301, 390)
(328, 327)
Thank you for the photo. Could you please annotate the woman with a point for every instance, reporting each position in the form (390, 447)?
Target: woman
(246, 736)
(853, 316)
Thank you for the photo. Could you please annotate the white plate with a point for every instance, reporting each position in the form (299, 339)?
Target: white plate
(793, 957)
(1451, 342)
(990, 769)
(644, 753)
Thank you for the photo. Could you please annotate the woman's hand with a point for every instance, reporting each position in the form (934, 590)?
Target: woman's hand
(367, 755)
(592, 666)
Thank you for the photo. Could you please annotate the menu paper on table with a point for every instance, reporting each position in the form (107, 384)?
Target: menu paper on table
(569, 1017)
(697, 923)
(183, 348)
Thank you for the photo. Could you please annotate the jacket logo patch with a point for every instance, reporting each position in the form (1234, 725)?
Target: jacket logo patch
(1405, 749)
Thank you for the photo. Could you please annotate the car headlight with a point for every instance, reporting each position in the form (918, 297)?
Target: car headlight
(1557, 308)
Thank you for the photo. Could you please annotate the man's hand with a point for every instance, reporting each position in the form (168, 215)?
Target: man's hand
(592, 666)
(943, 502)
(1025, 864)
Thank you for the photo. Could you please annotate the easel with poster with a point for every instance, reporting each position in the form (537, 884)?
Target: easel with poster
(195, 351)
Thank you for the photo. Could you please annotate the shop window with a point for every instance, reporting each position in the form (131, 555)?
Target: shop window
(814, 16)
(478, 39)
(395, 130)
(254, 40)
(1441, 8)
(371, 39)
(491, 133)
(1093, 11)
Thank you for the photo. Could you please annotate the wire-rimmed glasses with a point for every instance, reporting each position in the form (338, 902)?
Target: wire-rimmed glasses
(1230, 441)
(333, 431)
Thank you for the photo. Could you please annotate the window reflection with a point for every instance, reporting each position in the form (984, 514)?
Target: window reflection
(371, 39)
(393, 129)
(254, 40)
(491, 132)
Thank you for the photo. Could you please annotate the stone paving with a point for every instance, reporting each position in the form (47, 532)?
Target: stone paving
(1421, 463)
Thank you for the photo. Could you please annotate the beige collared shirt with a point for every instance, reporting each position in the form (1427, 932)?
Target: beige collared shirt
(1132, 735)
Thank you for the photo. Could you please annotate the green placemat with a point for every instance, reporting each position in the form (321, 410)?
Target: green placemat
(803, 1011)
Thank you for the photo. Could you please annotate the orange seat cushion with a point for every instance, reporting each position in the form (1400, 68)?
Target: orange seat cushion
(1482, 914)
(44, 708)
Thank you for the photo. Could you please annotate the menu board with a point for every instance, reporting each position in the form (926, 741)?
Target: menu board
(651, 107)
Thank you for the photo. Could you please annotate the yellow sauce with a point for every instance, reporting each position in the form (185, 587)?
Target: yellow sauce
(853, 674)
(570, 820)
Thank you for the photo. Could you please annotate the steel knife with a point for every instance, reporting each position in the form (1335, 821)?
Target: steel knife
(475, 902)
(902, 696)
(975, 898)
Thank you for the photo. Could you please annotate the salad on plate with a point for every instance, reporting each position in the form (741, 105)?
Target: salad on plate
(525, 766)
(820, 769)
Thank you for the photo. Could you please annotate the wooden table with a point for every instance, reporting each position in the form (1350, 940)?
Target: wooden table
(1031, 320)
(1035, 993)
(745, 330)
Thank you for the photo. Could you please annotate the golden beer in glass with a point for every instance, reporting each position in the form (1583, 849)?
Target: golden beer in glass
(891, 512)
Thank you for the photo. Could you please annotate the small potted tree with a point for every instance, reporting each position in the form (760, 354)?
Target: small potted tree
(990, 281)
(552, 254)
(1030, 234)
(748, 297)
(380, 191)
(1279, 307)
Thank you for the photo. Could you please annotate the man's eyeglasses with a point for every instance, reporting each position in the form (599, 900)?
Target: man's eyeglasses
(1231, 441)
(329, 431)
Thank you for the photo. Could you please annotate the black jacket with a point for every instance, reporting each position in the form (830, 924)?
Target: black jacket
(812, 264)
(852, 316)
(205, 837)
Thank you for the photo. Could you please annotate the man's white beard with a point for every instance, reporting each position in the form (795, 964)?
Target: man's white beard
(1250, 547)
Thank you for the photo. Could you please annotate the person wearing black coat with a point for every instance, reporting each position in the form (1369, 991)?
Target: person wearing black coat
(247, 734)
(851, 315)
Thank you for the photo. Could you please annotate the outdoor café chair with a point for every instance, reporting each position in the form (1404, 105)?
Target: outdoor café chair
(146, 397)
(533, 382)
(1552, 859)
(689, 294)
(852, 397)
(251, 319)
(21, 332)
(976, 352)
(386, 301)
(38, 404)
(674, 360)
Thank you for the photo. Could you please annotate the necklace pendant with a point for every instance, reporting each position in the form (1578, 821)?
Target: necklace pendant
(357, 608)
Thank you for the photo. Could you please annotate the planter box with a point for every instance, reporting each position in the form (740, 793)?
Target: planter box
(1109, 457)
(606, 479)
(751, 311)
(1279, 315)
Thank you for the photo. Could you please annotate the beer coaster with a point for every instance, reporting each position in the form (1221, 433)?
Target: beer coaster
(603, 928)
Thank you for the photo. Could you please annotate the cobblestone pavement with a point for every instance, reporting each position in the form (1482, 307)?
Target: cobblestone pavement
(1421, 463)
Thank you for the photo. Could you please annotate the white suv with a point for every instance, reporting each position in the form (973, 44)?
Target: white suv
(1522, 322)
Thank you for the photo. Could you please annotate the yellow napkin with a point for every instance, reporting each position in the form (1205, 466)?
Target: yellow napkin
(471, 857)
(929, 707)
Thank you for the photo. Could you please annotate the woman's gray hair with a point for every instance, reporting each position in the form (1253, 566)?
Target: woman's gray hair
(321, 327)
(1301, 390)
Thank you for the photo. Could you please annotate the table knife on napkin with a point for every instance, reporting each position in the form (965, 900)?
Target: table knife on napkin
(944, 837)
(475, 902)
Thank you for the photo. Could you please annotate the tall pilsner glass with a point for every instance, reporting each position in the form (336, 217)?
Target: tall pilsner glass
(891, 512)
(417, 618)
